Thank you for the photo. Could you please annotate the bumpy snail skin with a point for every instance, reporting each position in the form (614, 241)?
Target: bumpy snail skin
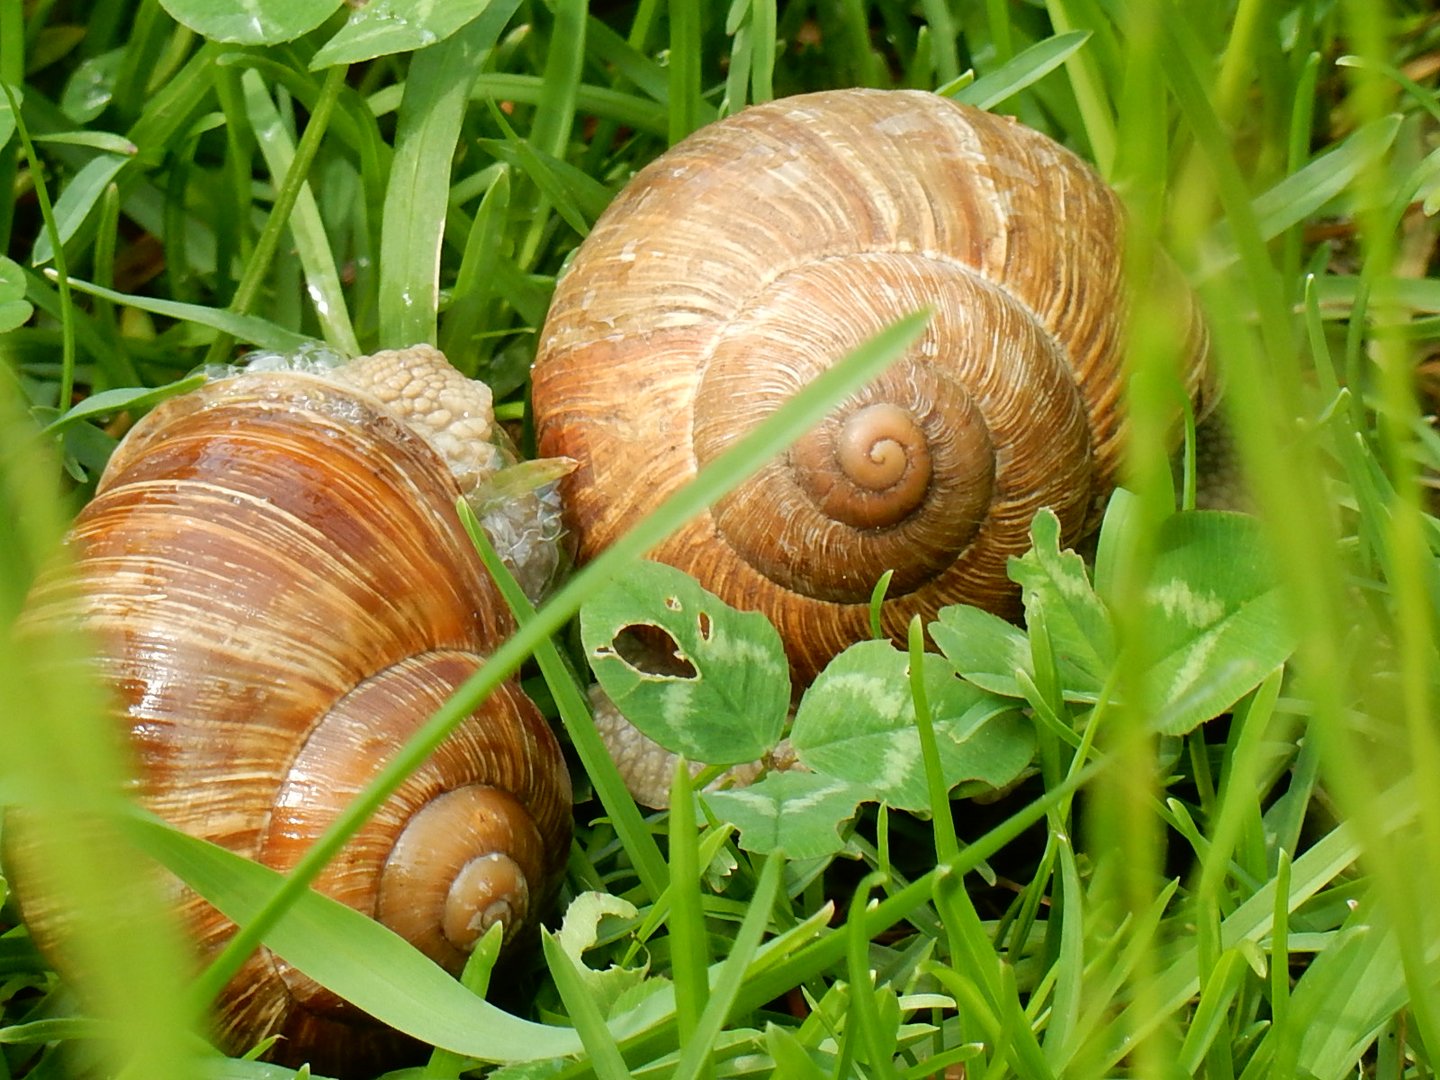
(762, 249)
(281, 593)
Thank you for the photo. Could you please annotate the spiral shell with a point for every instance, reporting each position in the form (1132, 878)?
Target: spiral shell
(281, 592)
(762, 249)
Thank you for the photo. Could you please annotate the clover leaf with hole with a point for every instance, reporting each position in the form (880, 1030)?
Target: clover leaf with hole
(699, 677)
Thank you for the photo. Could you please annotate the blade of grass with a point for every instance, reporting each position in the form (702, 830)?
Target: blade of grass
(474, 282)
(575, 197)
(77, 202)
(603, 1053)
(1237, 793)
(555, 112)
(446, 1064)
(863, 1021)
(62, 275)
(108, 402)
(1280, 949)
(1069, 963)
(628, 109)
(943, 35)
(732, 972)
(689, 954)
(351, 953)
(1208, 1022)
(1028, 68)
(308, 230)
(684, 75)
(972, 953)
(763, 16)
(437, 92)
(247, 293)
(62, 773)
(1089, 87)
(229, 324)
(947, 848)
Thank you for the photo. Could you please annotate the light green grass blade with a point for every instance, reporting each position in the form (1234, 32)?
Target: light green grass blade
(603, 1053)
(311, 243)
(631, 110)
(78, 201)
(355, 956)
(684, 68)
(437, 92)
(1088, 82)
(688, 947)
(1028, 68)
(555, 111)
(731, 974)
(249, 328)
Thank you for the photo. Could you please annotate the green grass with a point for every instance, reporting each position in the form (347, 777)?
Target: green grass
(1249, 898)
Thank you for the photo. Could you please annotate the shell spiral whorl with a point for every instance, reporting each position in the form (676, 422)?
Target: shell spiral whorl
(762, 249)
(873, 469)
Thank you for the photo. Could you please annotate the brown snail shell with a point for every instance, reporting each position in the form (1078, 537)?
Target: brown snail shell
(762, 249)
(281, 593)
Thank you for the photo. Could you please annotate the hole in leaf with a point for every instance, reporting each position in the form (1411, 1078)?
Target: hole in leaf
(673, 603)
(702, 620)
(651, 651)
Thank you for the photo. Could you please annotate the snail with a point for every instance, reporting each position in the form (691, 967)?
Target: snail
(766, 246)
(281, 592)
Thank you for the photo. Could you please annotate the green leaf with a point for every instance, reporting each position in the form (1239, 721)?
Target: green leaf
(1216, 616)
(7, 115)
(1028, 68)
(15, 310)
(14, 313)
(386, 27)
(108, 402)
(985, 649)
(798, 813)
(857, 723)
(249, 328)
(307, 229)
(1303, 193)
(792, 1058)
(76, 202)
(1079, 625)
(417, 196)
(95, 140)
(719, 696)
(580, 932)
(90, 87)
(251, 22)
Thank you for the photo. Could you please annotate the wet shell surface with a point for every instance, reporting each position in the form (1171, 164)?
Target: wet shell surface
(281, 593)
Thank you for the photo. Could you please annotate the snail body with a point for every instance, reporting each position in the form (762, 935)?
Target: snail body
(281, 592)
(761, 250)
